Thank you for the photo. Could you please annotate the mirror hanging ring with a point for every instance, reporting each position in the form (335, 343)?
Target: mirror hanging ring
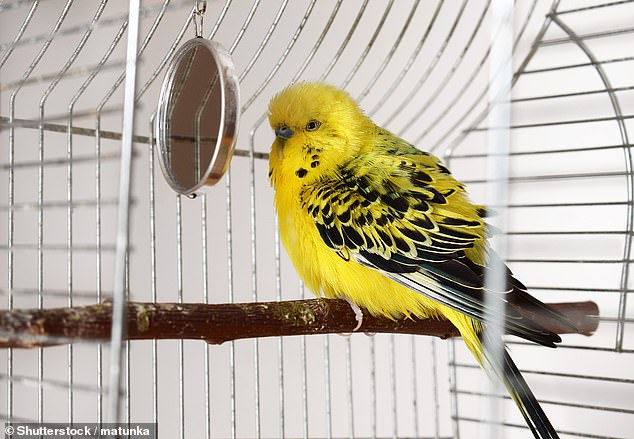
(197, 116)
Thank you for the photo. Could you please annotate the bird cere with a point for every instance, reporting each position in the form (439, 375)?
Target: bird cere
(367, 217)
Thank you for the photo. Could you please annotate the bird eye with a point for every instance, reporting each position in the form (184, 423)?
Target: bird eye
(312, 125)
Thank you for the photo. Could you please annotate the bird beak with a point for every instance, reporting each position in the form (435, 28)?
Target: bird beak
(284, 132)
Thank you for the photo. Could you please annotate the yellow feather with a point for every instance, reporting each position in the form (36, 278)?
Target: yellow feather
(350, 132)
(322, 269)
(350, 195)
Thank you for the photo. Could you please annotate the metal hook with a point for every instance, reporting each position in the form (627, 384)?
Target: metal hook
(198, 15)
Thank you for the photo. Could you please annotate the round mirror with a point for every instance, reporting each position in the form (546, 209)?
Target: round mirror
(197, 118)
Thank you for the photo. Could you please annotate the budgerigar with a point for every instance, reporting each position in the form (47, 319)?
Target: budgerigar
(368, 217)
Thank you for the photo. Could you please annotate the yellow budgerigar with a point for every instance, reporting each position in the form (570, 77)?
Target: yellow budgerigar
(368, 217)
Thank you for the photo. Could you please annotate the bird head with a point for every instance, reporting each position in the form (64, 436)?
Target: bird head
(317, 127)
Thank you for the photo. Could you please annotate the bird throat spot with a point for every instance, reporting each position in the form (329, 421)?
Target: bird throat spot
(301, 172)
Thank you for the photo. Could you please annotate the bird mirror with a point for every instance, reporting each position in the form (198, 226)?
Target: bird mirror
(197, 117)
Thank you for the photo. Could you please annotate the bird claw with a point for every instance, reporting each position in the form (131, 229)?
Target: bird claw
(358, 314)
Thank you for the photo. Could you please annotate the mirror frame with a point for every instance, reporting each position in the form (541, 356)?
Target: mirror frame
(229, 115)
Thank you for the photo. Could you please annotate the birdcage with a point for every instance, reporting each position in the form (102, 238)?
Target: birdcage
(80, 83)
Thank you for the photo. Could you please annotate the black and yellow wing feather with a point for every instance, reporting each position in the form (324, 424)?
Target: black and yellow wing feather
(401, 212)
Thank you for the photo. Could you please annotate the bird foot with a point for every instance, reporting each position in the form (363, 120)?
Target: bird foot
(358, 314)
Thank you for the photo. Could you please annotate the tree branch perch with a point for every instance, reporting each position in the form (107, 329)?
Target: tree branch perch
(218, 323)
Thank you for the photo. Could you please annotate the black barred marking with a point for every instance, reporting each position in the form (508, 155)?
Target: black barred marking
(422, 197)
(371, 196)
(326, 209)
(352, 238)
(344, 216)
(432, 255)
(460, 222)
(482, 212)
(315, 157)
(345, 256)
(424, 222)
(428, 250)
(323, 232)
(421, 207)
(315, 211)
(438, 198)
(270, 173)
(367, 189)
(314, 164)
(335, 236)
(452, 239)
(397, 214)
(443, 169)
(424, 256)
(387, 264)
(405, 260)
(301, 172)
(382, 220)
(387, 239)
(390, 188)
(437, 243)
(412, 234)
(364, 183)
(401, 244)
(420, 178)
(395, 201)
(346, 176)
(460, 234)
(369, 242)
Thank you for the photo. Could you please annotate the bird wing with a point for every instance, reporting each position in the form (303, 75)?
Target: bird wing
(404, 215)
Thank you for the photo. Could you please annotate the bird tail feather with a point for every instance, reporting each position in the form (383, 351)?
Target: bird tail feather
(524, 398)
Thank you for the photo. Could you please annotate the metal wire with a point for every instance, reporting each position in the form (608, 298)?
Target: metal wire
(497, 193)
(123, 218)
(153, 274)
(232, 351)
(280, 346)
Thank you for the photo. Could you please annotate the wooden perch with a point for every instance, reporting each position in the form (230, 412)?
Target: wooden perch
(217, 323)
